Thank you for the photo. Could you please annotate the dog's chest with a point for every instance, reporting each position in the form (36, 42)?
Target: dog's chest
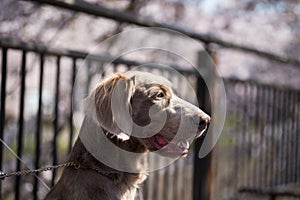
(130, 194)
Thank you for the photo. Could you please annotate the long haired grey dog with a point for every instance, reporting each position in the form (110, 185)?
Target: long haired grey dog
(138, 112)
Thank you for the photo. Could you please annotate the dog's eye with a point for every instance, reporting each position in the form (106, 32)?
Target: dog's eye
(160, 95)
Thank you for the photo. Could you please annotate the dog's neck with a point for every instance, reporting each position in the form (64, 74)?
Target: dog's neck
(81, 153)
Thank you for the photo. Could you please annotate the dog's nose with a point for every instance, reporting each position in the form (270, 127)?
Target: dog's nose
(204, 123)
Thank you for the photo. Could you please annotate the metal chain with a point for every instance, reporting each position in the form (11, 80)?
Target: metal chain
(28, 172)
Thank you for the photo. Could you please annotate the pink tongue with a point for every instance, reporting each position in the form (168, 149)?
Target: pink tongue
(161, 141)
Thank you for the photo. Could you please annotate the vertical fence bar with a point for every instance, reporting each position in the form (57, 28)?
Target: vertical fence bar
(276, 133)
(253, 94)
(294, 138)
(251, 104)
(282, 137)
(238, 129)
(181, 178)
(171, 171)
(155, 188)
(71, 105)
(160, 181)
(295, 133)
(257, 133)
(166, 183)
(176, 181)
(281, 134)
(274, 129)
(237, 114)
(269, 142)
(202, 166)
(246, 137)
(102, 70)
(2, 107)
(272, 112)
(38, 128)
(263, 135)
(56, 118)
(89, 75)
(290, 137)
(293, 155)
(115, 67)
(297, 121)
(150, 183)
(21, 124)
(128, 67)
(261, 139)
(173, 184)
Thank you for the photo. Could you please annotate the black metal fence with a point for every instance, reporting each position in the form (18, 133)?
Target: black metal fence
(258, 152)
(25, 136)
(42, 133)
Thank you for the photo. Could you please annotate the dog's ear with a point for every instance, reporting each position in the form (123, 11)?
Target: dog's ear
(112, 102)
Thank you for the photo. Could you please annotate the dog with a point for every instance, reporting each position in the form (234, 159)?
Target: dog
(138, 113)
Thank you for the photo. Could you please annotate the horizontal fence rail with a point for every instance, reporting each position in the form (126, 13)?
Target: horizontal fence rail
(16, 44)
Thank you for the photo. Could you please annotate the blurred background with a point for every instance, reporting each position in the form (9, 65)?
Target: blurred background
(254, 44)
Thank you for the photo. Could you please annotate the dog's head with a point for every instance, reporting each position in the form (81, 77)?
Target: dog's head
(145, 106)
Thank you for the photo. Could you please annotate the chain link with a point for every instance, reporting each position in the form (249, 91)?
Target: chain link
(43, 169)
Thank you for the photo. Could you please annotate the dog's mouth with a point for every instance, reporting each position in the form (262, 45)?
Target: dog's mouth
(167, 147)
